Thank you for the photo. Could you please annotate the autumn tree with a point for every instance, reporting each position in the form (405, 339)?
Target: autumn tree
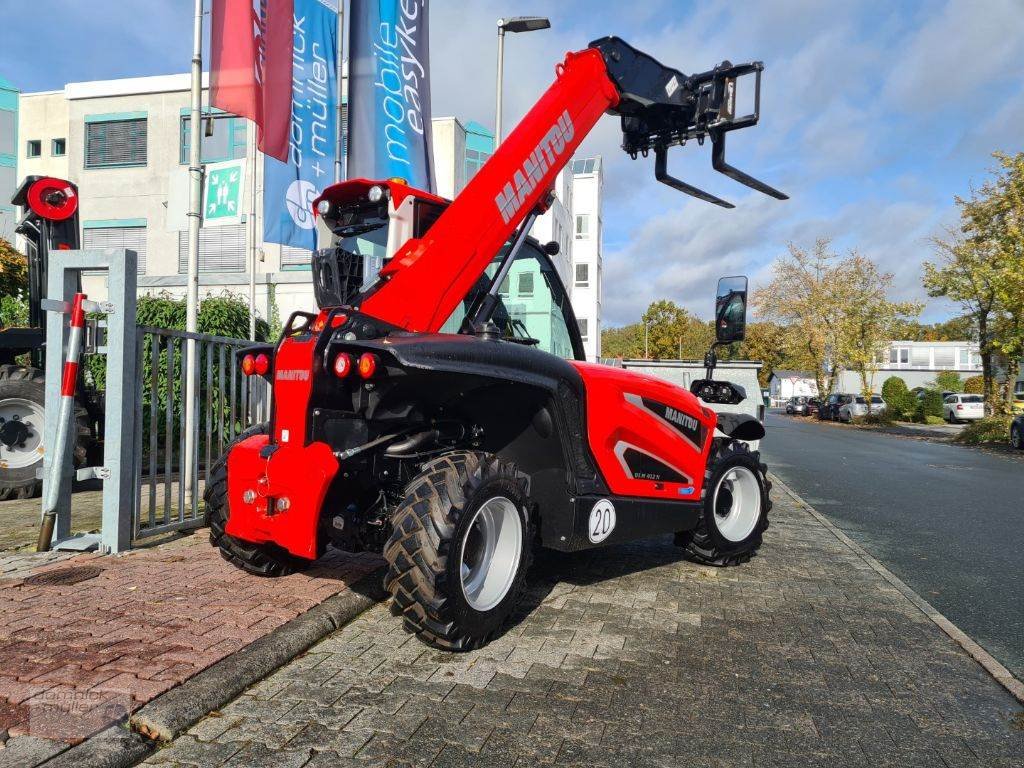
(766, 342)
(981, 267)
(869, 318)
(805, 296)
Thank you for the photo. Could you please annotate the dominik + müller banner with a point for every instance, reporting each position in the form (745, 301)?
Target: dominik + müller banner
(291, 186)
(389, 92)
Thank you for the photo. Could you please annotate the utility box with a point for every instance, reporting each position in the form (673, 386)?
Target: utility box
(682, 372)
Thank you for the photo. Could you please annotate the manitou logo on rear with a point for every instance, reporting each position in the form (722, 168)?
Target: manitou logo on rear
(526, 179)
(293, 374)
(677, 417)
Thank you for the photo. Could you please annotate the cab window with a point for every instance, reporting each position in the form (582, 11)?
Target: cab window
(533, 306)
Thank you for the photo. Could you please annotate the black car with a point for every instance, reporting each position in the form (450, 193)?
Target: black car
(1017, 432)
(829, 410)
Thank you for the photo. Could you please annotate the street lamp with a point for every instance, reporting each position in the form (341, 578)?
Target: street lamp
(515, 24)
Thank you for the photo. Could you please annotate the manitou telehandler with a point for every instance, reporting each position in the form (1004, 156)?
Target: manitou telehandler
(441, 412)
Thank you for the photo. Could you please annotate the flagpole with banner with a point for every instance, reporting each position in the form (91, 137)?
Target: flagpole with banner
(389, 92)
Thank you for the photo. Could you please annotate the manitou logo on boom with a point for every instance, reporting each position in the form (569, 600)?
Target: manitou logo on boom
(688, 422)
(526, 179)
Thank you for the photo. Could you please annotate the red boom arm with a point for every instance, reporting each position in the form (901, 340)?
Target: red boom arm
(458, 247)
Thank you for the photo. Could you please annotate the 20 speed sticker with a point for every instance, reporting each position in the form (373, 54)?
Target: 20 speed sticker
(602, 521)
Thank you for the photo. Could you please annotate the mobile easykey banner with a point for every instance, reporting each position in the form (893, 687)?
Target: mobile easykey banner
(290, 187)
(389, 92)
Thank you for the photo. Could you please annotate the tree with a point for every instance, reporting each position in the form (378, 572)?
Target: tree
(982, 268)
(898, 400)
(13, 286)
(673, 333)
(869, 318)
(807, 296)
(627, 341)
(766, 341)
(974, 385)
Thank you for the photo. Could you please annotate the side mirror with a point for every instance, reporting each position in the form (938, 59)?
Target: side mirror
(731, 309)
(551, 248)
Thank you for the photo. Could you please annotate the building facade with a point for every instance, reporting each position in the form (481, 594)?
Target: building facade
(587, 250)
(8, 158)
(917, 363)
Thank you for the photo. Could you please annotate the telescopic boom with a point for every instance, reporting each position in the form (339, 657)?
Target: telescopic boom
(659, 107)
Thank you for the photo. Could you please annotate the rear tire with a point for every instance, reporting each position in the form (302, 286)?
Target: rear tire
(23, 393)
(443, 583)
(1016, 438)
(736, 506)
(257, 559)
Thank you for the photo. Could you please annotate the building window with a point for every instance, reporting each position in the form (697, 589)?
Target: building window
(59, 147)
(221, 249)
(475, 160)
(582, 322)
(295, 258)
(943, 357)
(116, 143)
(920, 357)
(582, 275)
(899, 355)
(582, 226)
(526, 284)
(227, 142)
(130, 238)
(33, 148)
(965, 358)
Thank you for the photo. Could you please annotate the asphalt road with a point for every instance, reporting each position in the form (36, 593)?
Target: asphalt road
(948, 520)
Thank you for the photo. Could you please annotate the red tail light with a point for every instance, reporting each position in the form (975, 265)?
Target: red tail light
(959, 407)
(248, 365)
(367, 364)
(339, 320)
(343, 365)
(261, 364)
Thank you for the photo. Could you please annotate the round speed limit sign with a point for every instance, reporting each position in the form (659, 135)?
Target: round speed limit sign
(602, 521)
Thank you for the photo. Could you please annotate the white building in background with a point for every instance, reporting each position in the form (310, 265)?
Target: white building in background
(917, 363)
(587, 250)
(786, 384)
(125, 143)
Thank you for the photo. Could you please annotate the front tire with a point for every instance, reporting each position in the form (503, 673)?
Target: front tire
(257, 559)
(736, 506)
(461, 544)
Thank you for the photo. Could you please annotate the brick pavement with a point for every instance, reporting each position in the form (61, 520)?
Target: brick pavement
(632, 657)
(75, 657)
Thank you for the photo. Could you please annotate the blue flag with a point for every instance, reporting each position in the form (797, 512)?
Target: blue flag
(289, 188)
(389, 92)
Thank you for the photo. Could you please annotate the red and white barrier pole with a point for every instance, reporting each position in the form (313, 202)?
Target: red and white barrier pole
(64, 420)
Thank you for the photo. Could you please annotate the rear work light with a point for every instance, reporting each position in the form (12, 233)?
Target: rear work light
(249, 365)
(261, 364)
(367, 364)
(343, 365)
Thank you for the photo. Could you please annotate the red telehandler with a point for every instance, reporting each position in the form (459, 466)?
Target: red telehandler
(440, 411)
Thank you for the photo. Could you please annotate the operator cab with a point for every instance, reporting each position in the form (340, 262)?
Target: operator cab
(361, 224)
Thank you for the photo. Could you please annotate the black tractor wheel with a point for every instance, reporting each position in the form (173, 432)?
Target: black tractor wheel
(461, 545)
(736, 506)
(258, 559)
(22, 399)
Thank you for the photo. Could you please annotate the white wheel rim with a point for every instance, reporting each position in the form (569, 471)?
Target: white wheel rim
(737, 503)
(29, 450)
(489, 553)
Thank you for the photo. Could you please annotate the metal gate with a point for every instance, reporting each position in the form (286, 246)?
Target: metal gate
(227, 402)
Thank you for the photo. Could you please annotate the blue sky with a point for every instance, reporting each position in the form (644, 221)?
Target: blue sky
(874, 116)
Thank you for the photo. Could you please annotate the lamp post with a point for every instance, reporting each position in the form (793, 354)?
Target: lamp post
(515, 24)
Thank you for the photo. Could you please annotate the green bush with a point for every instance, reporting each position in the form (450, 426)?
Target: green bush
(899, 402)
(876, 418)
(931, 404)
(974, 385)
(991, 429)
(949, 381)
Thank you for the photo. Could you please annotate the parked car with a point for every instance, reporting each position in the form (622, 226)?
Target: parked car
(1017, 433)
(813, 406)
(959, 407)
(858, 406)
(829, 410)
(796, 406)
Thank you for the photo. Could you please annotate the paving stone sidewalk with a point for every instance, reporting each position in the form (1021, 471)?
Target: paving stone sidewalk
(85, 639)
(630, 656)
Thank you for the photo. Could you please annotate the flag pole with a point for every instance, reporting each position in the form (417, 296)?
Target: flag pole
(340, 94)
(195, 201)
(252, 236)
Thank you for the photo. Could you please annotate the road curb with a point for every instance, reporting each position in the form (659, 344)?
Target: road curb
(172, 713)
(1001, 674)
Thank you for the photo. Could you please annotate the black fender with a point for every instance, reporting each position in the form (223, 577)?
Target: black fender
(741, 426)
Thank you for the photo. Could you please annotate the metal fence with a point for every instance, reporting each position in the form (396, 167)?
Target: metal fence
(227, 402)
